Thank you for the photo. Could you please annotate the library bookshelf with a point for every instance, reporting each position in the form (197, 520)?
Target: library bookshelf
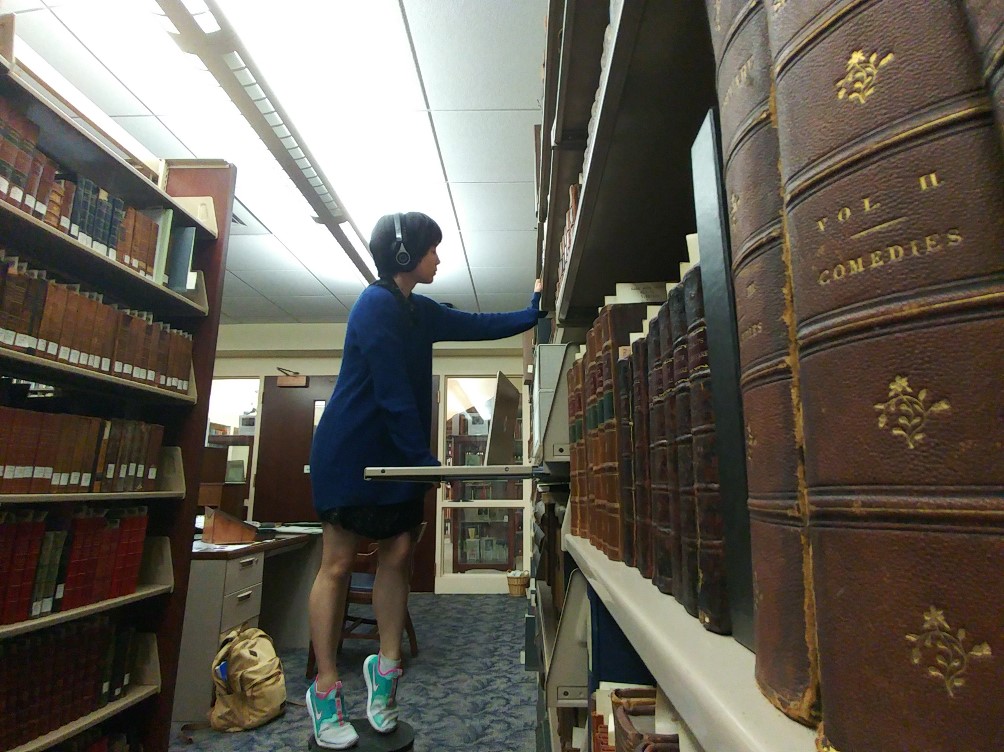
(134, 397)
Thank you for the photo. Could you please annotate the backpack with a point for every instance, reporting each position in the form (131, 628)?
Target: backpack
(248, 682)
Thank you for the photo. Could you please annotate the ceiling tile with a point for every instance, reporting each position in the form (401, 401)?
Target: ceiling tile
(280, 283)
(259, 253)
(487, 146)
(245, 222)
(348, 301)
(501, 248)
(154, 135)
(255, 311)
(314, 309)
(498, 44)
(235, 287)
(47, 36)
(495, 206)
(18, 6)
(504, 279)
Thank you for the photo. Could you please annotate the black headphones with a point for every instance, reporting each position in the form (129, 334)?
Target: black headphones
(401, 255)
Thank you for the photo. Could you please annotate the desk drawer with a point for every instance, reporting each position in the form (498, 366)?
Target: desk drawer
(243, 572)
(239, 607)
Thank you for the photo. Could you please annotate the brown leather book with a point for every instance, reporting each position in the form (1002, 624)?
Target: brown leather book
(986, 24)
(618, 321)
(151, 462)
(784, 627)
(658, 458)
(685, 584)
(43, 192)
(69, 325)
(625, 454)
(596, 512)
(51, 322)
(642, 478)
(45, 452)
(712, 583)
(671, 523)
(894, 206)
(576, 435)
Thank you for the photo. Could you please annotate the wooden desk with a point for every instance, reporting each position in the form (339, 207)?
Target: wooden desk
(259, 584)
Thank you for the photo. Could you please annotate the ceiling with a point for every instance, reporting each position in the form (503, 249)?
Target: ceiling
(468, 85)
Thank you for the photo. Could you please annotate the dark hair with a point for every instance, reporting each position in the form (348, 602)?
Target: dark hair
(420, 233)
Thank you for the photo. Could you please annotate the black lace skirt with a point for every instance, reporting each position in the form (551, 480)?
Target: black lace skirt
(377, 522)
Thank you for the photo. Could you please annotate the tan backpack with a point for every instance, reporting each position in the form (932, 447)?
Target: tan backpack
(248, 682)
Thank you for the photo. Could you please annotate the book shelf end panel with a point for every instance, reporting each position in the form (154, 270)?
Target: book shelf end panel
(157, 567)
(171, 473)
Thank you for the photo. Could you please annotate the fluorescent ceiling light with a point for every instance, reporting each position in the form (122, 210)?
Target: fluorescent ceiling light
(348, 81)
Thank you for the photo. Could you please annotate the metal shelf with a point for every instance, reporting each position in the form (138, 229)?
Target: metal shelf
(636, 202)
(708, 678)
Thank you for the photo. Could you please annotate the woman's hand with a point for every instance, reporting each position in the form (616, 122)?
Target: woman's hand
(538, 286)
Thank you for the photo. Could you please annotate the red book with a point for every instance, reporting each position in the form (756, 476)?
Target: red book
(24, 561)
(107, 546)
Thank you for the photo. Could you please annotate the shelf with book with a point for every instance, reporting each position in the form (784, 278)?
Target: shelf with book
(77, 151)
(198, 196)
(708, 678)
(156, 578)
(636, 203)
(146, 683)
(568, 103)
(170, 485)
(32, 367)
(49, 247)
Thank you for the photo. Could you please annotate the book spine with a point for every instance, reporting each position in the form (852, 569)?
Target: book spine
(625, 454)
(712, 584)
(642, 482)
(685, 585)
(590, 392)
(784, 627)
(575, 460)
(658, 459)
(894, 216)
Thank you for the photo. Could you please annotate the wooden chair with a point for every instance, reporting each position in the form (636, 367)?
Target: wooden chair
(361, 626)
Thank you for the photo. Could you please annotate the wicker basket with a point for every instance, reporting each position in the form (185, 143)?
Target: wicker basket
(518, 584)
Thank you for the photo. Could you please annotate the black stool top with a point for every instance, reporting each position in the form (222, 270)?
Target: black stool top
(400, 740)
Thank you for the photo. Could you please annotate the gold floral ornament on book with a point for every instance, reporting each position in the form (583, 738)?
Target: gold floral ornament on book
(951, 659)
(910, 412)
(862, 71)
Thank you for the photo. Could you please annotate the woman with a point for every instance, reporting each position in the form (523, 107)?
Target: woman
(381, 414)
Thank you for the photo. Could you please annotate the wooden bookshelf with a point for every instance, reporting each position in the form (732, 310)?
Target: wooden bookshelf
(707, 677)
(636, 202)
(167, 553)
(57, 373)
(156, 578)
(170, 485)
(146, 684)
(49, 248)
(75, 149)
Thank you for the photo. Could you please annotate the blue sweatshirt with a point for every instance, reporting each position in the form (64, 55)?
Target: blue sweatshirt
(380, 412)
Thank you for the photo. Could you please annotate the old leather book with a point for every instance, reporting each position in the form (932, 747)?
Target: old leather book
(712, 585)
(625, 454)
(593, 494)
(642, 490)
(658, 458)
(670, 523)
(617, 320)
(894, 205)
(784, 626)
(986, 24)
(685, 586)
(575, 435)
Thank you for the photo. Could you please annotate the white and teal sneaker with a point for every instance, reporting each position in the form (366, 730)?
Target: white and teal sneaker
(381, 705)
(332, 729)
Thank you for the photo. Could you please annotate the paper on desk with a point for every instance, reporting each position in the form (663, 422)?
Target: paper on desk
(200, 546)
(310, 529)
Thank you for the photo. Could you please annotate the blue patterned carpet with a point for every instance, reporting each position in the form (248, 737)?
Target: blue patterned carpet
(466, 690)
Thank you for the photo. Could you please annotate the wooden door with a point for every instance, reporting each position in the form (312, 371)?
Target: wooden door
(282, 483)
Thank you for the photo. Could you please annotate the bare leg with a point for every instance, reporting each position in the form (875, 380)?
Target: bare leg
(390, 591)
(327, 600)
